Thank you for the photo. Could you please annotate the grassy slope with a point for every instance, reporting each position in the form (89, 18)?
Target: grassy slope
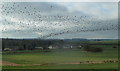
(59, 56)
(63, 56)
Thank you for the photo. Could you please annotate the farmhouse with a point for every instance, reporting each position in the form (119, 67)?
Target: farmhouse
(39, 48)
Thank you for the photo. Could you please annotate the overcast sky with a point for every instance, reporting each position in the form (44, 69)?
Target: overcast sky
(59, 20)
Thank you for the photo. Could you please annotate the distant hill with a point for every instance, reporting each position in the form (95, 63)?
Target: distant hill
(75, 39)
(72, 39)
(102, 39)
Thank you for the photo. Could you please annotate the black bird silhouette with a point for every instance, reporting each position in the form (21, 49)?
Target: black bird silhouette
(56, 24)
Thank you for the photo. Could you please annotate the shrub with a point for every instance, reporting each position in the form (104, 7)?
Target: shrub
(92, 48)
(114, 47)
(97, 49)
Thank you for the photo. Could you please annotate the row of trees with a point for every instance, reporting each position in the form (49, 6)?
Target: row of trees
(19, 44)
(91, 48)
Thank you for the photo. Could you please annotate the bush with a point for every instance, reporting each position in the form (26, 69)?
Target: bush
(114, 47)
(92, 48)
(97, 49)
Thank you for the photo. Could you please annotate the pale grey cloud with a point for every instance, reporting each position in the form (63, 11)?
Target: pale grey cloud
(61, 20)
(60, 0)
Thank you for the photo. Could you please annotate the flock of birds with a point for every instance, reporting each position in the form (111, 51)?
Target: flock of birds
(27, 19)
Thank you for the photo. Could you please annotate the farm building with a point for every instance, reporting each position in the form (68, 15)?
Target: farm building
(30, 44)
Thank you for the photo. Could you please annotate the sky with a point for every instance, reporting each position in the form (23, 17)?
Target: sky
(59, 20)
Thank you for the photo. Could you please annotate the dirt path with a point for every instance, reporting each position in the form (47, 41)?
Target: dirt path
(9, 63)
(4, 63)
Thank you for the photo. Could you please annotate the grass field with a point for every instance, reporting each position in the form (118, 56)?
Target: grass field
(61, 59)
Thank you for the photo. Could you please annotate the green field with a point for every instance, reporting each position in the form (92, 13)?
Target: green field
(60, 59)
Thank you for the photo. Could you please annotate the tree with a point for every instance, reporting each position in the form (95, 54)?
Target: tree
(114, 47)
(24, 47)
(3, 46)
(91, 48)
